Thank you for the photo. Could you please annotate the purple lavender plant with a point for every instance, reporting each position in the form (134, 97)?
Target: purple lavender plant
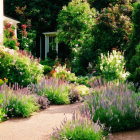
(115, 106)
(17, 102)
(80, 127)
(56, 90)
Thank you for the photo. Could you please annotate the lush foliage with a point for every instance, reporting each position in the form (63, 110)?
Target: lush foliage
(82, 89)
(48, 65)
(112, 29)
(80, 128)
(83, 80)
(78, 92)
(18, 67)
(100, 4)
(116, 107)
(112, 66)
(75, 23)
(10, 39)
(2, 81)
(33, 12)
(26, 37)
(135, 67)
(16, 103)
(35, 17)
(62, 72)
(133, 50)
(56, 90)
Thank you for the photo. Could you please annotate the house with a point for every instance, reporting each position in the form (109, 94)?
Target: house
(50, 43)
(5, 19)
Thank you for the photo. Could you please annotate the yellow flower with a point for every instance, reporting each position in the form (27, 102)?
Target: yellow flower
(1, 82)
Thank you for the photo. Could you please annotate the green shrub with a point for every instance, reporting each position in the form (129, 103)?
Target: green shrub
(61, 72)
(3, 115)
(47, 69)
(80, 128)
(112, 66)
(83, 80)
(18, 68)
(56, 90)
(115, 106)
(10, 39)
(82, 89)
(48, 62)
(48, 65)
(20, 106)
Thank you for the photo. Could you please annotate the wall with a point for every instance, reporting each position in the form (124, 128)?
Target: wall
(1, 22)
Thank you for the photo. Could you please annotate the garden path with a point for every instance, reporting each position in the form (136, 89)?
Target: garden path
(40, 125)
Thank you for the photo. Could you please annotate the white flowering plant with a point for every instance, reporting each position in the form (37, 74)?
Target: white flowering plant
(112, 66)
(62, 72)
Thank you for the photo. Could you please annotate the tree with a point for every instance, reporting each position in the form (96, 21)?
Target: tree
(100, 4)
(113, 29)
(75, 23)
(133, 50)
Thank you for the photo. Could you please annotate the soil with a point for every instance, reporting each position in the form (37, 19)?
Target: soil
(40, 125)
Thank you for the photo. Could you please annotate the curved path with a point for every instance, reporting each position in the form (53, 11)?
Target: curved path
(37, 127)
(41, 124)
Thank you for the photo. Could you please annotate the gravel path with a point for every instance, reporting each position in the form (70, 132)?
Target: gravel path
(41, 124)
(130, 135)
(37, 127)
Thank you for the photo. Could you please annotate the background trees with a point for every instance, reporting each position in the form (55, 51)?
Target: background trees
(84, 33)
(133, 50)
(39, 15)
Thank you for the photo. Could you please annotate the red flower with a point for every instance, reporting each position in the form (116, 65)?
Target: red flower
(13, 33)
(8, 25)
(24, 26)
(24, 33)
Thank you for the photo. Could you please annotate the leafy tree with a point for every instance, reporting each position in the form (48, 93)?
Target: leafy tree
(41, 14)
(133, 50)
(75, 23)
(100, 4)
(112, 29)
